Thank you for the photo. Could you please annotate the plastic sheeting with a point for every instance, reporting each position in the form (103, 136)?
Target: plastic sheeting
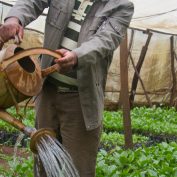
(158, 15)
(155, 72)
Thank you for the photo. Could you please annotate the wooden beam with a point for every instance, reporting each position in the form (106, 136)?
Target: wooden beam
(138, 69)
(173, 88)
(125, 94)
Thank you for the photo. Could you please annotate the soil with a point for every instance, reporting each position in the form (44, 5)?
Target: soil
(7, 152)
(7, 143)
(11, 138)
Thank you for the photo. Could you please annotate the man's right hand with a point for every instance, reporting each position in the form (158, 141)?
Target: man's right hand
(10, 29)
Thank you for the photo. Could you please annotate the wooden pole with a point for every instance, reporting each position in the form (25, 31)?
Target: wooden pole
(138, 69)
(124, 95)
(173, 89)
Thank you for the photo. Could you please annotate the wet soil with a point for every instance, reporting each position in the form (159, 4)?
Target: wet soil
(11, 138)
(7, 143)
(7, 153)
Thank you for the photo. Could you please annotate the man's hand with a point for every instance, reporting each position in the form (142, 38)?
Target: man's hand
(11, 29)
(68, 60)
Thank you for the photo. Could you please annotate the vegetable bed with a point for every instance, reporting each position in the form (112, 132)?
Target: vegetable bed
(154, 152)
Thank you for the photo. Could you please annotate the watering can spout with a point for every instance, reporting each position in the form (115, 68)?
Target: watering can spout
(34, 134)
(37, 135)
(16, 123)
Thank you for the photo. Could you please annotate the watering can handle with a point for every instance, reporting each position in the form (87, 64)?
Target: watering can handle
(33, 51)
(49, 70)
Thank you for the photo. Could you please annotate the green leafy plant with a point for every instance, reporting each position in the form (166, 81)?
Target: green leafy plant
(159, 160)
(113, 139)
(18, 166)
(144, 120)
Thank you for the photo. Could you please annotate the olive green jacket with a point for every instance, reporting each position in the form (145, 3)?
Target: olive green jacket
(101, 33)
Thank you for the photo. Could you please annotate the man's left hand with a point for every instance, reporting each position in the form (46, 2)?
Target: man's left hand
(68, 60)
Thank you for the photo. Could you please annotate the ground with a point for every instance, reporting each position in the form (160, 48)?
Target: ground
(7, 153)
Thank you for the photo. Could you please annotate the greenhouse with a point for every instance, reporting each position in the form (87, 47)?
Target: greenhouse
(139, 128)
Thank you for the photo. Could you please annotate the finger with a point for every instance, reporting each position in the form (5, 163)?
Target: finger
(62, 60)
(61, 54)
(6, 34)
(16, 39)
(62, 51)
(20, 33)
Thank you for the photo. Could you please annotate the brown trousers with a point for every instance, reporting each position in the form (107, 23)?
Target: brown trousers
(62, 112)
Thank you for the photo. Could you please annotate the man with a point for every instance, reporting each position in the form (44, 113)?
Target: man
(86, 33)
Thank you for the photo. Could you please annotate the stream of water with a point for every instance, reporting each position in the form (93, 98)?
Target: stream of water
(18, 141)
(55, 159)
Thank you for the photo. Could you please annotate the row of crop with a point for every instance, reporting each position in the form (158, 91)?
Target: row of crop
(154, 161)
(113, 161)
(144, 120)
(153, 120)
(113, 139)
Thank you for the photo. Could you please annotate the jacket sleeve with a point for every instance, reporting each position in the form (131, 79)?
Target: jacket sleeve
(108, 36)
(27, 10)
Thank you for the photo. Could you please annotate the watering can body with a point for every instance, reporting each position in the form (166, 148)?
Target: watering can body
(20, 79)
(21, 76)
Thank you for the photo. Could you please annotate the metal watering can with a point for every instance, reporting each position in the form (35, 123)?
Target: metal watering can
(20, 78)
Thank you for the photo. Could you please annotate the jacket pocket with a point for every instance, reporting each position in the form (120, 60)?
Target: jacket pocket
(57, 14)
